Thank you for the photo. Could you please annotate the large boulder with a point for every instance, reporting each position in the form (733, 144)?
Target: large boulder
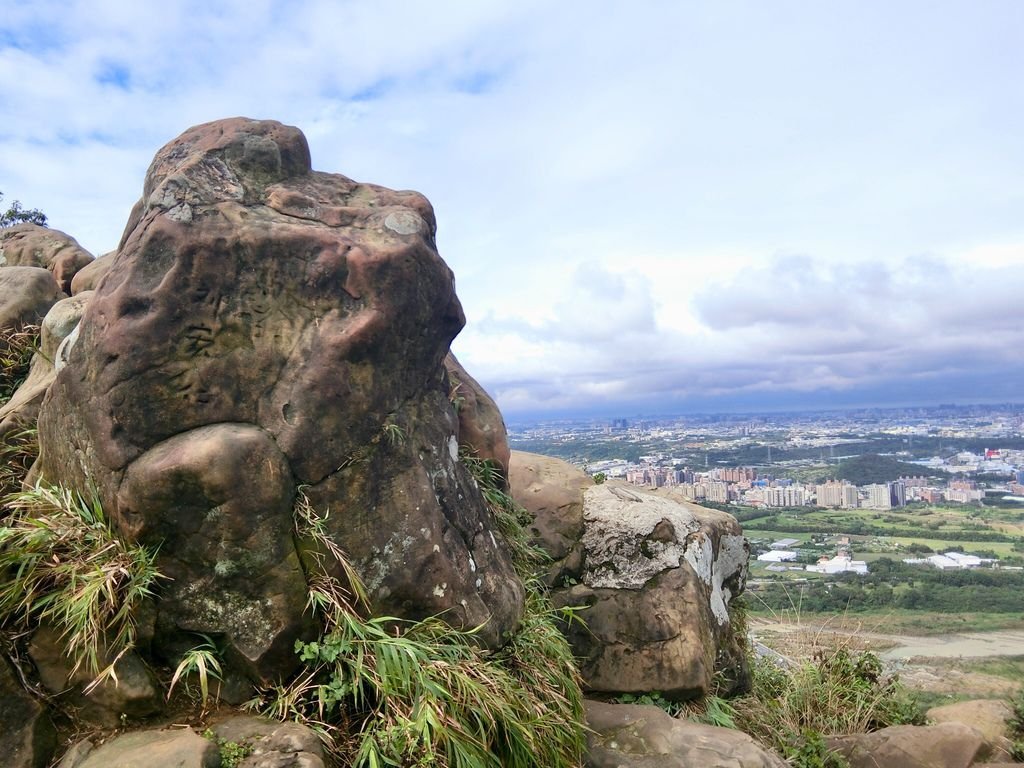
(30, 245)
(265, 328)
(634, 736)
(655, 576)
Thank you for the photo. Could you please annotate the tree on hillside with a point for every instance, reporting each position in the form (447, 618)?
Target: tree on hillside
(15, 214)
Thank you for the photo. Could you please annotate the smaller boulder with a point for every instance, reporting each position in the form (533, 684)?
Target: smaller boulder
(270, 744)
(134, 694)
(551, 491)
(60, 322)
(89, 276)
(26, 732)
(635, 736)
(26, 295)
(948, 745)
(30, 245)
(989, 717)
(182, 748)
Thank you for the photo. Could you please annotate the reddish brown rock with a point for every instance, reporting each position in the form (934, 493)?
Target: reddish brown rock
(26, 295)
(89, 276)
(30, 245)
(312, 313)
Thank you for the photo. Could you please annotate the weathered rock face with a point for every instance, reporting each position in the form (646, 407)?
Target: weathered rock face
(656, 576)
(29, 245)
(481, 427)
(264, 327)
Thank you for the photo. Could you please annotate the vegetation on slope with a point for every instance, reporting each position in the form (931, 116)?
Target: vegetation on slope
(871, 468)
(387, 692)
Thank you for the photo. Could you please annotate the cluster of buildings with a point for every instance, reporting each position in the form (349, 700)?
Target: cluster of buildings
(843, 561)
(744, 486)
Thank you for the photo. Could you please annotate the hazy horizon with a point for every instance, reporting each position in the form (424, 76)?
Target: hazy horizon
(661, 206)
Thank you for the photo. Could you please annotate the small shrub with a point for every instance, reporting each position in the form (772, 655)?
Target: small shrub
(61, 563)
(836, 692)
(203, 662)
(18, 451)
(232, 753)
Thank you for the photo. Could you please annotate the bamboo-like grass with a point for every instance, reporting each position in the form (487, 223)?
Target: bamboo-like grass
(388, 692)
(62, 564)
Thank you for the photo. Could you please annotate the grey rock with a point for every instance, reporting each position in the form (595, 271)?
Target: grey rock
(947, 745)
(182, 748)
(635, 736)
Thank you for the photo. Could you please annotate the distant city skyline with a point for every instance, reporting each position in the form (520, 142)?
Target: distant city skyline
(651, 206)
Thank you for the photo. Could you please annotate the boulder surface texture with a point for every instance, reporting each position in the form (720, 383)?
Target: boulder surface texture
(266, 330)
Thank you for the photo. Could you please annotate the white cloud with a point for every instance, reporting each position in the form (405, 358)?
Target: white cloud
(614, 183)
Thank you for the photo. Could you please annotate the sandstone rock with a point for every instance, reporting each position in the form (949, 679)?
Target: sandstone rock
(657, 578)
(989, 717)
(134, 694)
(264, 326)
(552, 492)
(59, 323)
(632, 736)
(273, 744)
(26, 295)
(89, 276)
(26, 732)
(949, 745)
(29, 245)
(481, 427)
(181, 748)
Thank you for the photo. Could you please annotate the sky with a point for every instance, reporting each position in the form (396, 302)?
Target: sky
(649, 207)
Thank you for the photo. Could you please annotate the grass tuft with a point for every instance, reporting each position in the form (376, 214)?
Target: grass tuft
(836, 692)
(16, 350)
(388, 692)
(18, 451)
(60, 563)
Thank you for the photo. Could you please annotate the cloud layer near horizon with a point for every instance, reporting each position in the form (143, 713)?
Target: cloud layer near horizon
(659, 205)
